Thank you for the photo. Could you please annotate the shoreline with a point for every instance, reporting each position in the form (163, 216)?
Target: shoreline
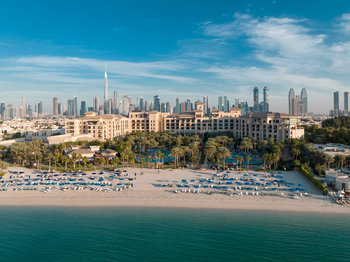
(147, 193)
(243, 204)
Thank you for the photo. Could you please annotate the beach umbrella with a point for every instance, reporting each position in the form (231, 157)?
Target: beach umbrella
(300, 185)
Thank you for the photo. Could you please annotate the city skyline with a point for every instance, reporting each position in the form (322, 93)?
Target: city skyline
(215, 51)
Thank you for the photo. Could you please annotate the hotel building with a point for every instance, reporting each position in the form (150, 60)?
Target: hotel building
(258, 125)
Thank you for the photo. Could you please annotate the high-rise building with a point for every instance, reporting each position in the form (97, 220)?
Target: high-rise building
(220, 104)
(40, 109)
(110, 106)
(75, 108)
(226, 104)
(303, 97)
(206, 106)
(188, 105)
(266, 100)
(291, 102)
(167, 107)
(10, 112)
(336, 102)
(125, 105)
(142, 106)
(177, 106)
(83, 108)
(55, 106)
(346, 102)
(59, 108)
(162, 107)
(256, 99)
(70, 109)
(105, 98)
(96, 104)
(21, 111)
(156, 102)
(2, 109)
(115, 102)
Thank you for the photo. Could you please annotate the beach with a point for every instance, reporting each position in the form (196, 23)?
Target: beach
(151, 190)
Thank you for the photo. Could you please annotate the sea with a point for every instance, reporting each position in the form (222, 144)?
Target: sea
(160, 234)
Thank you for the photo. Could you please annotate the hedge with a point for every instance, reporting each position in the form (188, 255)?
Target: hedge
(313, 180)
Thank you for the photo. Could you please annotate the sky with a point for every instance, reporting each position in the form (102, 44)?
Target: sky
(185, 49)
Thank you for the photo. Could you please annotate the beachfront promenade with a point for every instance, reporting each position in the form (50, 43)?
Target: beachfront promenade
(165, 188)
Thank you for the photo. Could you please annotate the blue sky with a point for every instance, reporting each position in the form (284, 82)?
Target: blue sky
(174, 49)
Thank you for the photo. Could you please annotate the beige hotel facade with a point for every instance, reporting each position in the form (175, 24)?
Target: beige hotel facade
(255, 125)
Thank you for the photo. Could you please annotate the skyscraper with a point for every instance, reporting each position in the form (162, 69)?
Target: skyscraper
(2, 109)
(106, 85)
(75, 106)
(115, 102)
(266, 100)
(82, 108)
(142, 106)
(125, 107)
(206, 107)
(40, 108)
(177, 106)
(156, 103)
(303, 97)
(167, 107)
(336, 102)
(226, 104)
(291, 102)
(55, 106)
(346, 102)
(220, 103)
(256, 99)
(188, 105)
(96, 104)
(21, 111)
(70, 104)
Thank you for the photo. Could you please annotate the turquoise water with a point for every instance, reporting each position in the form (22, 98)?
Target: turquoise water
(144, 234)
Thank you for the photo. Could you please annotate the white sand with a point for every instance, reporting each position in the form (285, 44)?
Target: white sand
(148, 193)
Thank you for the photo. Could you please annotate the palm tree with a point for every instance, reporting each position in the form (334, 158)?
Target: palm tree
(65, 160)
(248, 158)
(102, 162)
(295, 152)
(84, 161)
(241, 159)
(237, 161)
(3, 166)
(342, 159)
(210, 149)
(266, 157)
(177, 152)
(222, 154)
(49, 157)
(329, 160)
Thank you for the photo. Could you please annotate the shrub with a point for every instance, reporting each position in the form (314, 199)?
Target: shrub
(313, 180)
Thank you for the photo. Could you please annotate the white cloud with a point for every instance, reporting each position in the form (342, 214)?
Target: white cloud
(344, 22)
